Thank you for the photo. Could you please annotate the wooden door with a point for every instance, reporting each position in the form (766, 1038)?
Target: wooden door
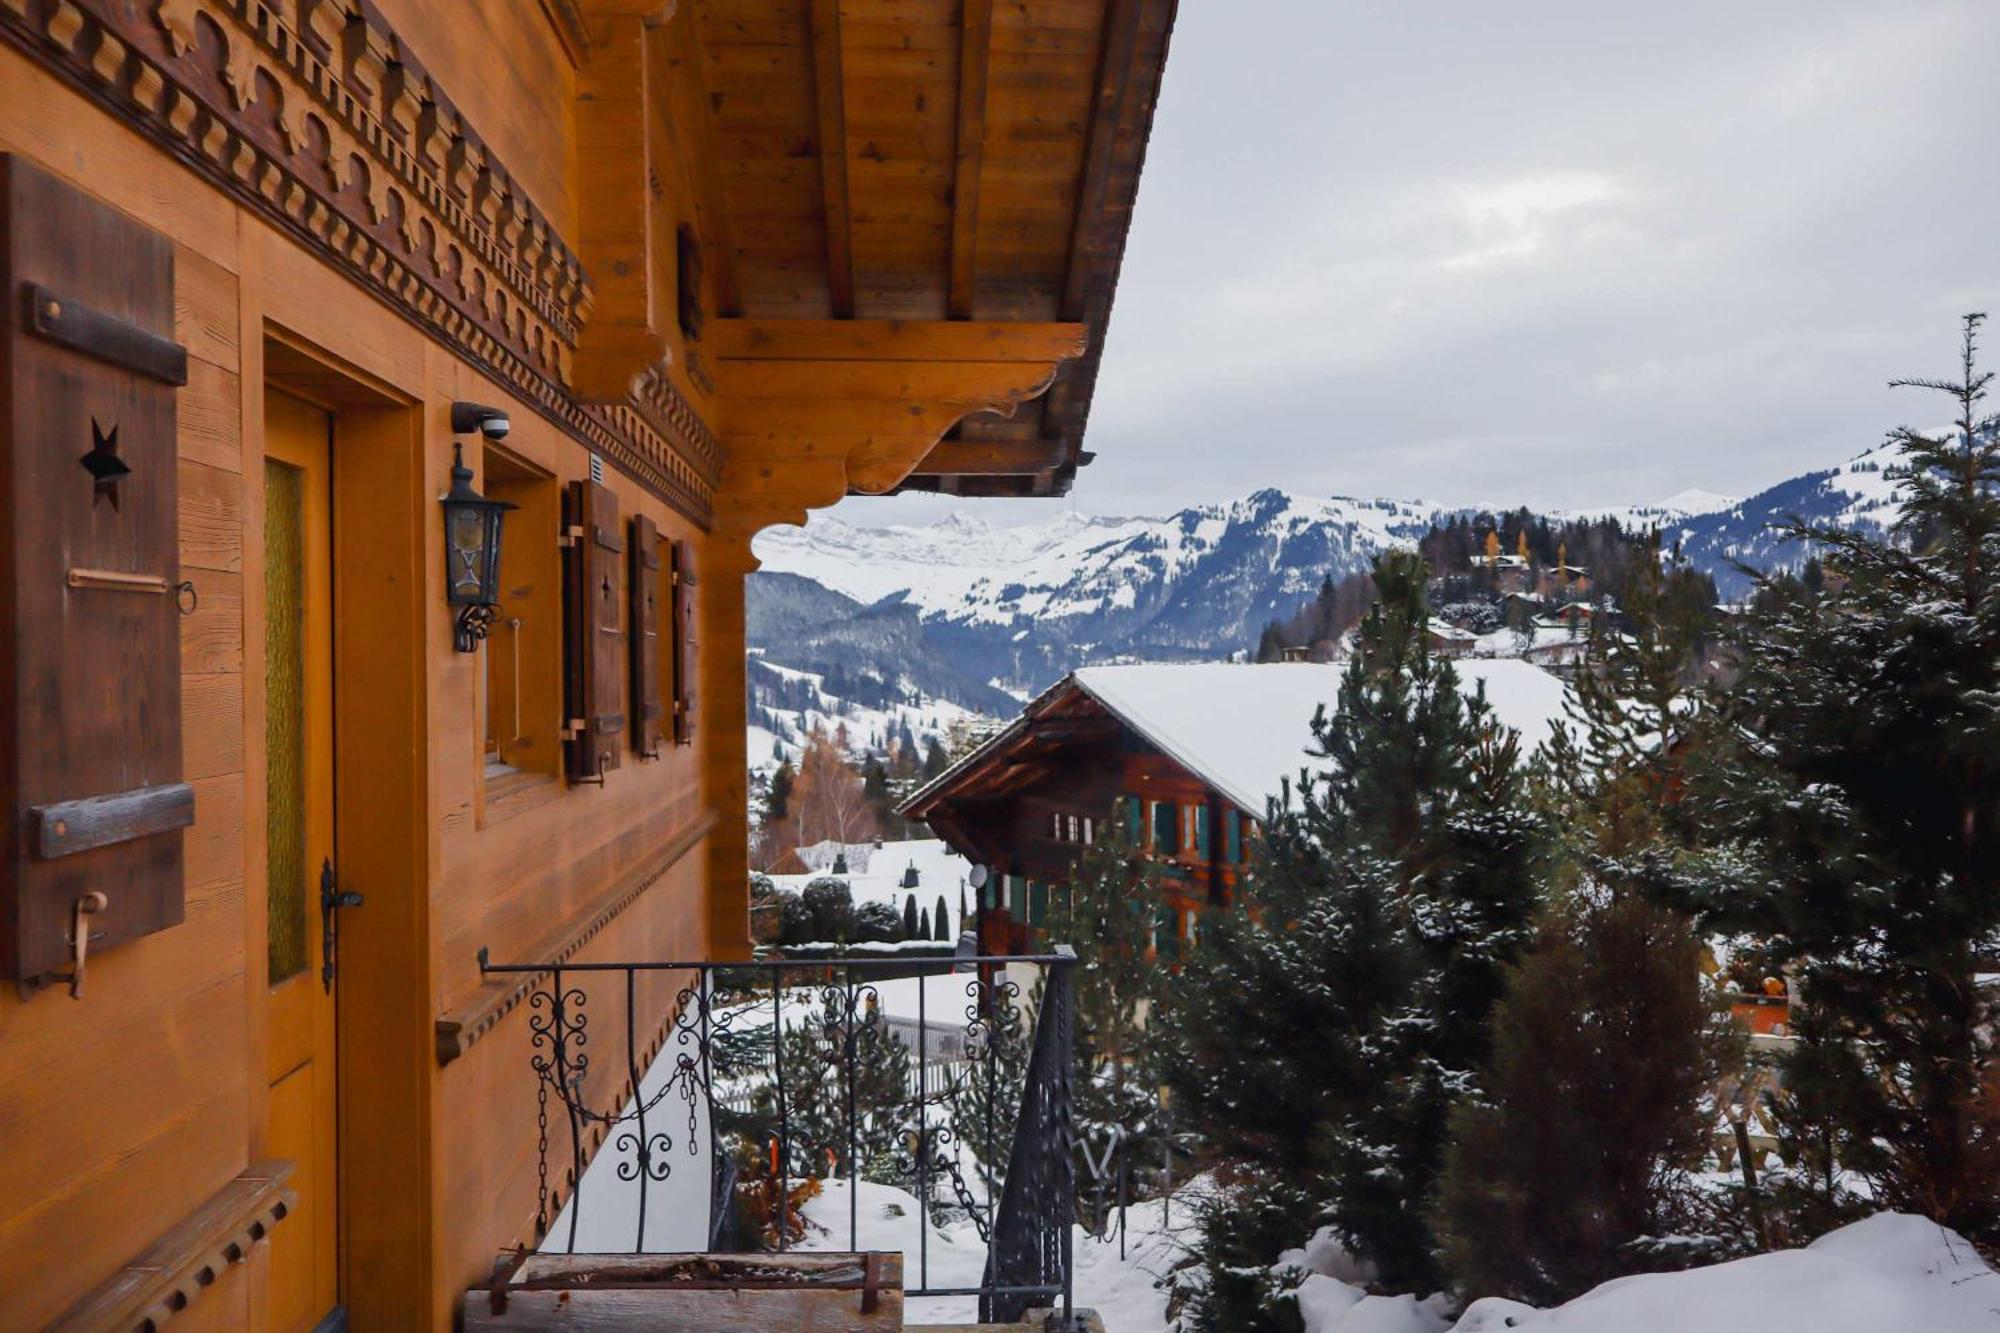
(298, 735)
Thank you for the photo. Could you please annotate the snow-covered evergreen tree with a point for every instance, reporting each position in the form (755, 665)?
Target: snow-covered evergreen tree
(1863, 818)
(1320, 1037)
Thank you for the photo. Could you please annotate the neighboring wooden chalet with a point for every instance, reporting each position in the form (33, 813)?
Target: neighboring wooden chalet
(1184, 759)
(667, 272)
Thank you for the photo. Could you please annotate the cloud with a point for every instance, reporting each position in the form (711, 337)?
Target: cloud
(1513, 219)
(1555, 251)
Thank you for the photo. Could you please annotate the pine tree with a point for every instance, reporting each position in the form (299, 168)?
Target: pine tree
(1106, 909)
(1604, 1043)
(910, 917)
(923, 930)
(941, 920)
(1321, 1037)
(1591, 1113)
(935, 760)
(832, 1060)
(1863, 827)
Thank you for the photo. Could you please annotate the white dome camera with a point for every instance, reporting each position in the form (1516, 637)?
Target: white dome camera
(490, 422)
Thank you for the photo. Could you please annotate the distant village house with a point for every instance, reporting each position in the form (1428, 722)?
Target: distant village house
(1183, 758)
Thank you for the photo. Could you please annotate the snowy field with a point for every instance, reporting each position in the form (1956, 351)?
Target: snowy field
(875, 875)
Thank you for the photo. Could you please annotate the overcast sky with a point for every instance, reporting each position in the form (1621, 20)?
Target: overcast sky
(1540, 252)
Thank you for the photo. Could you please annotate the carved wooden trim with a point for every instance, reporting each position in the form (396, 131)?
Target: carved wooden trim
(175, 1270)
(334, 132)
(458, 1030)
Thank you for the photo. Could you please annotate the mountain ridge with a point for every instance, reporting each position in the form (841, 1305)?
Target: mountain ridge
(1014, 608)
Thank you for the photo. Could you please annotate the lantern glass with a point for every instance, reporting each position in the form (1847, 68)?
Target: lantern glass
(471, 541)
(468, 557)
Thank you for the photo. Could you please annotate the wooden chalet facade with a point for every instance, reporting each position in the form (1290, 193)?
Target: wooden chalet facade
(716, 262)
(1073, 771)
(1182, 760)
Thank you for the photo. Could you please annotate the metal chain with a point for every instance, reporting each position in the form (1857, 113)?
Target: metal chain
(542, 1219)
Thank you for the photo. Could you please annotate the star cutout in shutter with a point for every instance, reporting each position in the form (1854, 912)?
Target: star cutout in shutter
(103, 463)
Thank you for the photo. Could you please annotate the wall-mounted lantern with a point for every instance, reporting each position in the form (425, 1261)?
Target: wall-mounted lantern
(472, 531)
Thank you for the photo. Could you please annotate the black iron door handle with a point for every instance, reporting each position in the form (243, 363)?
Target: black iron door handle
(331, 898)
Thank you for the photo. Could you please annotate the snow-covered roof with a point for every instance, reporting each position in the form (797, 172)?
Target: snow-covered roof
(1243, 727)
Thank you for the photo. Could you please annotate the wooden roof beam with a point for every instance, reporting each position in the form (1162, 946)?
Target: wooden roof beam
(893, 340)
(1114, 83)
(975, 51)
(830, 98)
(693, 120)
(994, 458)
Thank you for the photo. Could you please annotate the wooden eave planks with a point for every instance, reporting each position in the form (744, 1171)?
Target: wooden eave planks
(925, 159)
(974, 58)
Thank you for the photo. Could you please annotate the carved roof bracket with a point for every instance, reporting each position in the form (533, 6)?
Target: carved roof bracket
(814, 409)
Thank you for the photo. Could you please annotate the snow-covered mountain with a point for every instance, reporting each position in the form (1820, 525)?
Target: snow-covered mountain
(951, 608)
(1690, 503)
(1020, 606)
(1858, 494)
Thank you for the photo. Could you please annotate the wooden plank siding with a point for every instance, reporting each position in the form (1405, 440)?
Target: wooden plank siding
(383, 207)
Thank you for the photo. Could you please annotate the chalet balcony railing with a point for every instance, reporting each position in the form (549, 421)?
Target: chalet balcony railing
(705, 1106)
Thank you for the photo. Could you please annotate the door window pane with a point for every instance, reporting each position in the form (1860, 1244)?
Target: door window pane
(285, 717)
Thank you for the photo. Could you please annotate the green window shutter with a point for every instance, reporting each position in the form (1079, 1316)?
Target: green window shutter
(1038, 902)
(1232, 832)
(1166, 816)
(1017, 897)
(1201, 830)
(1167, 933)
(1133, 831)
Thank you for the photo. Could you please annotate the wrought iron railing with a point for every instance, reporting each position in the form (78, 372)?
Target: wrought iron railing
(736, 1091)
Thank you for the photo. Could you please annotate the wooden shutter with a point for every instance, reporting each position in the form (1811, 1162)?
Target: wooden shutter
(684, 644)
(646, 710)
(594, 660)
(90, 722)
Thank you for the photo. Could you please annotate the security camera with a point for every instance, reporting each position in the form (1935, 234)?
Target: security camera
(490, 422)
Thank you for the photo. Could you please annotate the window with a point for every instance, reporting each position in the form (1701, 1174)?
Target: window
(1055, 825)
(1075, 830)
(1166, 817)
(1089, 831)
(524, 650)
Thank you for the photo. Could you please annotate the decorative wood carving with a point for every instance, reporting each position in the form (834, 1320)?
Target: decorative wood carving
(90, 730)
(321, 120)
(822, 408)
(176, 1269)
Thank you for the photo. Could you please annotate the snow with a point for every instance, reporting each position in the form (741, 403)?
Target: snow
(1890, 1271)
(877, 875)
(1690, 503)
(1124, 1292)
(962, 570)
(869, 730)
(1243, 727)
